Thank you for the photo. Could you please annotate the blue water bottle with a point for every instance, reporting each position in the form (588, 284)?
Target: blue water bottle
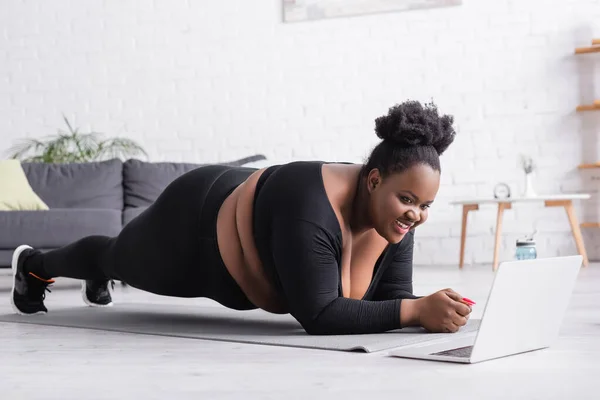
(526, 249)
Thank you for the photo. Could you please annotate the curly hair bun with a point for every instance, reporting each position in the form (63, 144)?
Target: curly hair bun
(413, 124)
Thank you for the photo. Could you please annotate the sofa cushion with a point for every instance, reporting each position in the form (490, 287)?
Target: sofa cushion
(144, 181)
(15, 191)
(132, 212)
(56, 227)
(78, 185)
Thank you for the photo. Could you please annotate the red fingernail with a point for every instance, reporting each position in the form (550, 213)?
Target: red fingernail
(469, 301)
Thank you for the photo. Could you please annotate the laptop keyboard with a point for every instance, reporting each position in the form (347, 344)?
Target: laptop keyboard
(463, 352)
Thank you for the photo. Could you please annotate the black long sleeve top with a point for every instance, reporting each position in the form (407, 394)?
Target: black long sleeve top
(299, 240)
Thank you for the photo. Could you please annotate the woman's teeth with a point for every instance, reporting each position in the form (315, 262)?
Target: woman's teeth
(402, 225)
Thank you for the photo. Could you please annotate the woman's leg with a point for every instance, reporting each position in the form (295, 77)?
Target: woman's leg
(170, 249)
(158, 251)
(87, 258)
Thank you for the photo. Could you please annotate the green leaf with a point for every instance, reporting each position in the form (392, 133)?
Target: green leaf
(73, 146)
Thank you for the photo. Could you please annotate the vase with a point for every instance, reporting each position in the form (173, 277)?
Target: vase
(529, 192)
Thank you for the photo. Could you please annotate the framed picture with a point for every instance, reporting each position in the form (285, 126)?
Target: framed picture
(305, 10)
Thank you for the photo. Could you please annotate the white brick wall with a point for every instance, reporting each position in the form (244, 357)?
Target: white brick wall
(211, 81)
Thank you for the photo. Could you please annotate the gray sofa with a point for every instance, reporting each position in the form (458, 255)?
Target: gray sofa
(95, 198)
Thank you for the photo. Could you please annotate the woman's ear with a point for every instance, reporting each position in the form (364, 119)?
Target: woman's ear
(373, 180)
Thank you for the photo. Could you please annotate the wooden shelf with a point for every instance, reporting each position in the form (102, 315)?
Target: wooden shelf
(583, 50)
(590, 225)
(589, 166)
(589, 107)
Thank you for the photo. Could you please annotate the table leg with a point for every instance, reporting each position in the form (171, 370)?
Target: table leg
(501, 208)
(575, 229)
(463, 231)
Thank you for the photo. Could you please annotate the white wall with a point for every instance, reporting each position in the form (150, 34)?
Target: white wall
(212, 81)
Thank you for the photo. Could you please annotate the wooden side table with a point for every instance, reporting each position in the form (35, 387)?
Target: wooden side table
(559, 200)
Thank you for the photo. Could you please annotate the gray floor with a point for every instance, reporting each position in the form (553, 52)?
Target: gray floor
(65, 363)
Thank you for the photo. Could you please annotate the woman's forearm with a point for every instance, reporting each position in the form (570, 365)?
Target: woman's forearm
(350, 316)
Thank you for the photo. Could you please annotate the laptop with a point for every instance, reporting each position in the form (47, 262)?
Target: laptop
(524, 312)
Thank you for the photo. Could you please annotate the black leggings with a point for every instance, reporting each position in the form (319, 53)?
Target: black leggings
(170, 249)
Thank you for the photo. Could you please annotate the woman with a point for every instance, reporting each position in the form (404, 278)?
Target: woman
(329, 243)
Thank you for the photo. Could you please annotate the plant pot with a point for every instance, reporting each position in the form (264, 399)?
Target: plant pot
(529, 192)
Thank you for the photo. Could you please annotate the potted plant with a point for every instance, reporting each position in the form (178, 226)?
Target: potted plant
(528, 167)
(74, 147)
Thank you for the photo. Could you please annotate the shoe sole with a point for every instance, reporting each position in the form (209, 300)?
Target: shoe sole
(88, 302)
(14, 262)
